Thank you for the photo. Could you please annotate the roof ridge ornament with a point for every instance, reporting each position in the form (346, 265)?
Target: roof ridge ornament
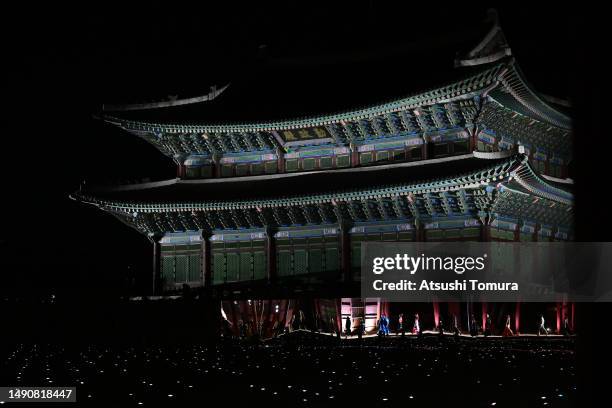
(491, 48)
(172, 100)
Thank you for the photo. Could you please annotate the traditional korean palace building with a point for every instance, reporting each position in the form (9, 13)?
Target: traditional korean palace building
(271, 209)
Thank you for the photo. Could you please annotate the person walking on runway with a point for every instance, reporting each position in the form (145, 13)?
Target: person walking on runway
(542, 327)
(361, 329)
(488, 323)
(416, 327)
(456, 330)
(347, 326)
(473, 326)
(507, 330)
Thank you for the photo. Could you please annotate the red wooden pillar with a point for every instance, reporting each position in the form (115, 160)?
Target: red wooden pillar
(180, 170)
(484, 315)
(236, 316)
(563, 312)
(354, 155)
(339, 315)
(280, 158)
(472, 140)
(558, 313)
(517, 317)
(436, 312)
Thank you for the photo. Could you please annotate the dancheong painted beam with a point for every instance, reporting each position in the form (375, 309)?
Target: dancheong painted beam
(491, 110)
(314, 239)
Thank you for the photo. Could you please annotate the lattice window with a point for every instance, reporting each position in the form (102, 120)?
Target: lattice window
(271, 167)
(300, 261)
(291, 165)
(218, 264)
(365, 158)
(246, 272)
(284, 263)
(167, 267)
(331, 259)
(194, 268)
(259, 265)
(309, 164)
(181, 268)
(343, 161)
(315, 261)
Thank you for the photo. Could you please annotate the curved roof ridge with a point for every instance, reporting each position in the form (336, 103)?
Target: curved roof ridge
(491, 48)
(527, 178)
(514, 83)
(494, 47)
(172, 101)
(455, 90)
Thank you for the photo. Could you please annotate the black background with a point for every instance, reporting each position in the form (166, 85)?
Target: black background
(62, 61)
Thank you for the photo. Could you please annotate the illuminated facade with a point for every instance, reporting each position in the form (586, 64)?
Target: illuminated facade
(274, 210)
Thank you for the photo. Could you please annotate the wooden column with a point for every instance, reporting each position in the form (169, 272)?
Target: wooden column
(419, 233)
(345, 251)
(180, 170)
(216, 165)
(572, 320)
(517, 317)
(517, 233)
(485, 232)
(558, 310)
(206, 263)
(425, 154)
(271, 255)
(354, 155)
(280, 157)
(436, 312)
(484, 316)
(179, 159)
(472, 140)
(155, 278)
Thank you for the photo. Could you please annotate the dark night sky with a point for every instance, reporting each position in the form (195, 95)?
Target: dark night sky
(63, 63)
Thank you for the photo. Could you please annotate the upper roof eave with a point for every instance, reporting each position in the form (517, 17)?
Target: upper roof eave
(525, 100)
(512, 91)
(458, 90)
